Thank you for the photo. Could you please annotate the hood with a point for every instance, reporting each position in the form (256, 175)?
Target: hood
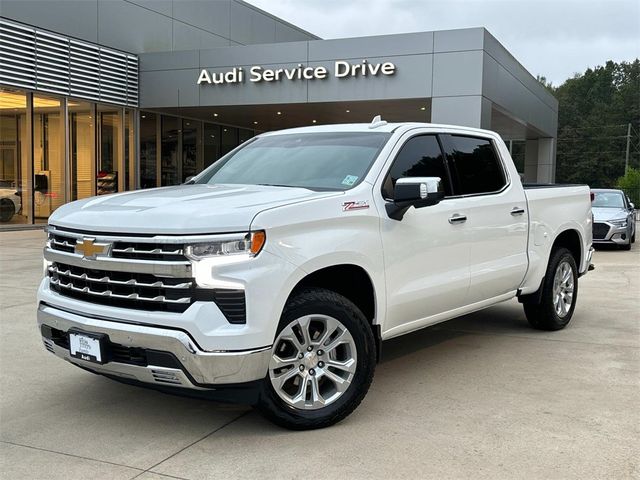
(603, 214)
(183, 209)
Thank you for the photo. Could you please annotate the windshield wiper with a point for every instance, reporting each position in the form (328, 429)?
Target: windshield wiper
(277, 185)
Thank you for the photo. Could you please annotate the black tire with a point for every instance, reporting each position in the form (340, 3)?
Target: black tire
(542, 315)
(7, 210)
(320, 301)
(633, 237)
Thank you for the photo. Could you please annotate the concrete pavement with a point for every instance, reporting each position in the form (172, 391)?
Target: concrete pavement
(483, 396)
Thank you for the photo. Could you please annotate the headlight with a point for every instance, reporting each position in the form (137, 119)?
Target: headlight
(622, 222)
(245, 243)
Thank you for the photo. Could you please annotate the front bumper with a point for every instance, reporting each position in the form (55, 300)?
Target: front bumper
(181, 362)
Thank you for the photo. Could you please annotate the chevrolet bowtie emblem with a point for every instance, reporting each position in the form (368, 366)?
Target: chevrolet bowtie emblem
(89, 249)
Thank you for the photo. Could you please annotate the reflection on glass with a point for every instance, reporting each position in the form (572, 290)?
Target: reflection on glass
(109, 137)
(81, 149)
(14, 200)
(48, 156)
(169, 174)
(190, 148)
(148, 154)
(211, 144)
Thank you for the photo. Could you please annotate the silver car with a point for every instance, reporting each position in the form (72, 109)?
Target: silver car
(613, 218)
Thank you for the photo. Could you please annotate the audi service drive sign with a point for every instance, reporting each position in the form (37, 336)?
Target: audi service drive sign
(257, 73)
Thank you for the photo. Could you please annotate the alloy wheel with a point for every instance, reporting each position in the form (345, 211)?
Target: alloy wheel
(313, 362)
(563, 287)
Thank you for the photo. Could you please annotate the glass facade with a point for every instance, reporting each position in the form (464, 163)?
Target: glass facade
(55, 149)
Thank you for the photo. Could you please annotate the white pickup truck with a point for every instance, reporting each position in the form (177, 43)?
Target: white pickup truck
(274, 276)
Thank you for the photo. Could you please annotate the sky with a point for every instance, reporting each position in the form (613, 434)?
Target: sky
(552, 38)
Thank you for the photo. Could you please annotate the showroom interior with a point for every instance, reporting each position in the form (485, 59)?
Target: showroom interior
(90, 106)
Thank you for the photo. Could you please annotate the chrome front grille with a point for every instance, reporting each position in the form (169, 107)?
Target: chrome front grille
(122, 248)
(122, 289)
(140, 272)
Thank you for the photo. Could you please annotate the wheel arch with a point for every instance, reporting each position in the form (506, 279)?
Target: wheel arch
(572, 241)
(352, 282)
(569, 238)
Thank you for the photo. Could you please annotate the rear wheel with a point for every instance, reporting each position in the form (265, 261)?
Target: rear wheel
(559, 293)
(322, 362)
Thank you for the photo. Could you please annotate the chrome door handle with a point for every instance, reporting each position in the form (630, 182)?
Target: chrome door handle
(457, 218)
(517, 211)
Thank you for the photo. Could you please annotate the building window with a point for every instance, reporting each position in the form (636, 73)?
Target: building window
(14, 155)
(229, 140)
(170, 167)
(211, 144)
(191, 148)
(82, 149)
(48, 156)
(129, 150)
(110, 154)
(244, 135)
(148, 150)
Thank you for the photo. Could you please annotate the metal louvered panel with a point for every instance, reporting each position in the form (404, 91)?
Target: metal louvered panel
(45, 61)
(52, 63)
(17, 55)
(113, 75)
(85, 70)
(132, 80)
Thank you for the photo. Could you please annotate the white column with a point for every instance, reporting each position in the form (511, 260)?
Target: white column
(546, 160)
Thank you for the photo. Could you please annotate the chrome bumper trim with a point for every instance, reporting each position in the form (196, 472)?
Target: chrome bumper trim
(204, 367)
(153, 267)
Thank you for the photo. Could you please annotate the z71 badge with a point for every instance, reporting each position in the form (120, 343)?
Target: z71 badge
(359, 205)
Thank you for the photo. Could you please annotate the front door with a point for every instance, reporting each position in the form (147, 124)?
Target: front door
(426, 255)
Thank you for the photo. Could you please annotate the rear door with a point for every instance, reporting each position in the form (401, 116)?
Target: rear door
(496, 215)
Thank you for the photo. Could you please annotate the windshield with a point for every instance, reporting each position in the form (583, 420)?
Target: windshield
(608, 200)
(323, 161)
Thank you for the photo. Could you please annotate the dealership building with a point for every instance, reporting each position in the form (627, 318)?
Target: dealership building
(102, 96)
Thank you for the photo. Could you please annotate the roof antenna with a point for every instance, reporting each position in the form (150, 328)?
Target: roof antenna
(377, 122)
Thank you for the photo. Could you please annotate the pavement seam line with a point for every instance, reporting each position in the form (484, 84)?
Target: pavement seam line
(71, 455)
(191, 445)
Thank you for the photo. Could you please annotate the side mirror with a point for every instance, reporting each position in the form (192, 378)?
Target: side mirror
(415, 192)
(632, 206)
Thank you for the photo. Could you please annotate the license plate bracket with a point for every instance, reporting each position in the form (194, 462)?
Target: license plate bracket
(89, 347)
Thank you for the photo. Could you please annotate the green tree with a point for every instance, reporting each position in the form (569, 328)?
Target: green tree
(630, 184)
(594, 110)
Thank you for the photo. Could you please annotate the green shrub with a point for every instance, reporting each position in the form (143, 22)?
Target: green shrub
(630, 184)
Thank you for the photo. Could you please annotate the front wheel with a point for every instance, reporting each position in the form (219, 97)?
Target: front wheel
(559, 293)
(322, 362)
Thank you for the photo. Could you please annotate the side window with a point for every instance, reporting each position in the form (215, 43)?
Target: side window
(419, 157)
(475, 166)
